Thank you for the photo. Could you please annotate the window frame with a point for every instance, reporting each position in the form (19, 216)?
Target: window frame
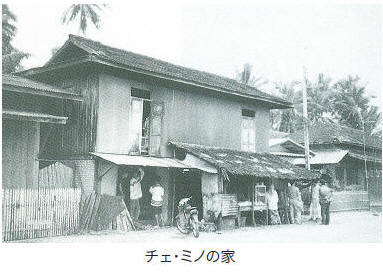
(142, 100)
(248, 115)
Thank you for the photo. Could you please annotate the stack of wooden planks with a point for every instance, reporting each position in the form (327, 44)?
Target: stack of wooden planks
(104, 212)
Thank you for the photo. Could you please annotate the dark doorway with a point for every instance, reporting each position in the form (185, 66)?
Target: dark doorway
(188, 183)
(146, 211)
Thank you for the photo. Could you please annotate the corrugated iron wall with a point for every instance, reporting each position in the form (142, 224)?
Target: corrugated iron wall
(20, 147)
(35, 213)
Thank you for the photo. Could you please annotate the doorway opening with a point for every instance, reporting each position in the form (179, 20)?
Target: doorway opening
(188, 184)
(146, 211)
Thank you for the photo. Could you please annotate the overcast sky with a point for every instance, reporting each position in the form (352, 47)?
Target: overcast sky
(276, 39)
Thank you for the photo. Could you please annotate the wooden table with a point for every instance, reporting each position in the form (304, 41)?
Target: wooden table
(246, 206)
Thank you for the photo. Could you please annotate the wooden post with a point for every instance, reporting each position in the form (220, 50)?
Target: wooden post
(173, 195)
(252, 201)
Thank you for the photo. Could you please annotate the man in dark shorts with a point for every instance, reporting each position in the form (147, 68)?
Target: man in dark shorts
(325, 197)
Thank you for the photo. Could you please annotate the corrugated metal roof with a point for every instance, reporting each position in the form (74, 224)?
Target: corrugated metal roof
(324, 157)
(121, 159)
(25, 85)
(248, 163)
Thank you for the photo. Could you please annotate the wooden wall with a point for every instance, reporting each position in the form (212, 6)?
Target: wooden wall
(20, 147)
(190, 115)
(114, 110)
(78, 136)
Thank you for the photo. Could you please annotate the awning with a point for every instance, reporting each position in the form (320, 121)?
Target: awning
(236, 162)
(120, 159)
(197, 163)
(34, 117)
(323, 157)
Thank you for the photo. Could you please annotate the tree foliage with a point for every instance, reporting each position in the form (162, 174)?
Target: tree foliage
(12, 57)
(84, 13)
(288, 120)
(247, 77)
(344, 102)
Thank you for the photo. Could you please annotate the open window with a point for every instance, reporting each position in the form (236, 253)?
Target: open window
(140, 121)
(145, 123)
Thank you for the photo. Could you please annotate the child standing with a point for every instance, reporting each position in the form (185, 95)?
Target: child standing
(157, 192)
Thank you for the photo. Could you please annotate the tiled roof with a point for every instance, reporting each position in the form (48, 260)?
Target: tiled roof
(22, 84)
(326, 133)
(143, 63)
(248, 163)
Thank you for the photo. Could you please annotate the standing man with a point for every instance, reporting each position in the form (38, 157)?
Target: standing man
(315, 210)
(295, 202)
(157, 192)
(325, 197)
(136, 193)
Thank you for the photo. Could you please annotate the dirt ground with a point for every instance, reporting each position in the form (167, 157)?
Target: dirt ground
(355, 227)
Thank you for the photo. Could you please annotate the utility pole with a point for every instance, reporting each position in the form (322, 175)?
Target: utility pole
(364, 148)
(305, 120)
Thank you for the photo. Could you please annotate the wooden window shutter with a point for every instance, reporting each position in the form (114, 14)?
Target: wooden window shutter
(156, 117)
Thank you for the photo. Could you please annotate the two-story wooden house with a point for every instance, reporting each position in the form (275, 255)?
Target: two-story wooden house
(189, 127)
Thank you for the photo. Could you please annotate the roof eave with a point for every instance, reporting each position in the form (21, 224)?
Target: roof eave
(27, 90)
(56, 66)
(34, 117)
(93, 58)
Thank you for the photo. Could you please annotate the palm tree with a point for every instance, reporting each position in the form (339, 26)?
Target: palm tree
(8, 29)
(84, 12)
(246, 77)
(319, 107)
(12, 57)
(372, 119)
(288, 120)
(350, 102)
(318, 98)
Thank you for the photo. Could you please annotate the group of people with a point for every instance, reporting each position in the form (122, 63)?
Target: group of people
(156, 190)
(321, 196)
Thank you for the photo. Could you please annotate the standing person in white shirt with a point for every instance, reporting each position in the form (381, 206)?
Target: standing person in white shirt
(315, 210)
(157, 192)
(136, 193)
(272, 206)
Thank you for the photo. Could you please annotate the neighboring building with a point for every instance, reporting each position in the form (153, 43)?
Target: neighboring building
(137, 110)
(346, 155)
(30, 107)
(287, 148)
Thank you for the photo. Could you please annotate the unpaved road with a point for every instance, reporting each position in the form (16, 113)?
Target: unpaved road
(355, 227)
